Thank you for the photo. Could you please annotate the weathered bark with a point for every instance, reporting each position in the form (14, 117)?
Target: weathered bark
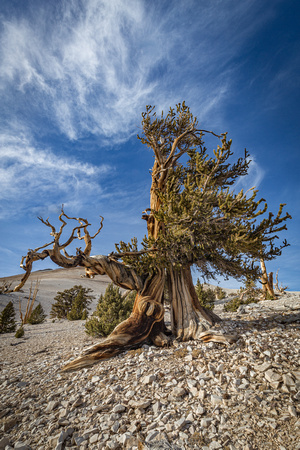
(280, 289)
(31, 256)
(188, 317)
(147, 311)
(126, 335)
(190, 320)
(267, 281)
(62, 260)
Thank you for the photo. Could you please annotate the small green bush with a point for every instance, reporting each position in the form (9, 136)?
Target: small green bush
(78, 309)
(234, 304)
(37, 316)
(112, 309)
(7, 319)
(72, 303)
(220, 293)
(20, 332)
(252, 293)
(206, 297)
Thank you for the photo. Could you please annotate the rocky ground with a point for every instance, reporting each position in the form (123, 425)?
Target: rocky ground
(189, 396)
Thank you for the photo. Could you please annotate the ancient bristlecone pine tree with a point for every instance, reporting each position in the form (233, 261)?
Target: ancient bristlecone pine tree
(194, 219)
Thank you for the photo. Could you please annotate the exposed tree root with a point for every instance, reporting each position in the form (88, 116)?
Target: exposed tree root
(126, 335)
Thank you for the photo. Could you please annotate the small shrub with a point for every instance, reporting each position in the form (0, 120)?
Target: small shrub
(234, 304)
(220, 293)
(249, 291)
(112, 309)
(79, 307)
(20, 332)
(30, 302)
(64, 303)
(37, 316)
(7, 319)
(5, 287)
(206, 297)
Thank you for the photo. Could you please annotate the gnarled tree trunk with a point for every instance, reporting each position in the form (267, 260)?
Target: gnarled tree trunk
(146, 321)
(188, 317)
(147, 312)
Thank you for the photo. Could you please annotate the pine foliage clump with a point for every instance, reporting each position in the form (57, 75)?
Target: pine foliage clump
(7, 319)
(234, 304)
(20, 332)
(79, 307)
(247, 294)
(72, 303)
(37, 316)
(206, 296)
(220, 293)
(112, 309)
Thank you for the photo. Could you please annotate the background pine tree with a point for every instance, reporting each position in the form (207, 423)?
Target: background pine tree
(64, 302)
(79, 307)
(37, 316)
(206, 297)
(112, 309)
(20, 332)
(7, 319)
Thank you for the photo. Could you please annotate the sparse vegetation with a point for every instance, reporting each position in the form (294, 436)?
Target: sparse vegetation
(234, 304)
(37, 316)
(112, 309)
(206, 296)
(72, 303)
(7, 319)
(30, 303)
(20, 332)
(5, 287)
(220, 293)
(247, 294)
(250, 291)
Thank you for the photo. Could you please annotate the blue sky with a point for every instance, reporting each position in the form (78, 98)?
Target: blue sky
(75, 77)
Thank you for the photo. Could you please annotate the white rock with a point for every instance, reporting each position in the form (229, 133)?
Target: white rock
(292, 410)
(263, 367)
(115, 427)
(205, 422)
(51, 406)
(95, 379)
(214, 445)
(200, 410)
(94, 438)
(156, 407)
(215, 399)
(202, 394)
(288, 380)
(21, 446)
(270, 375)
(124, 438)
(152, 435)
(149, 379)
(179, 424)
(119, 408)
(178, 391)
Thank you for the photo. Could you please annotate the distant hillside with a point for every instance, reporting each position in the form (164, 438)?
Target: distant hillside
(50, 282)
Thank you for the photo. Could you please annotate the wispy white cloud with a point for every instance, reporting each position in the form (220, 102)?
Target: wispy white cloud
(254, 177)
(92, 66)
(30, 175)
